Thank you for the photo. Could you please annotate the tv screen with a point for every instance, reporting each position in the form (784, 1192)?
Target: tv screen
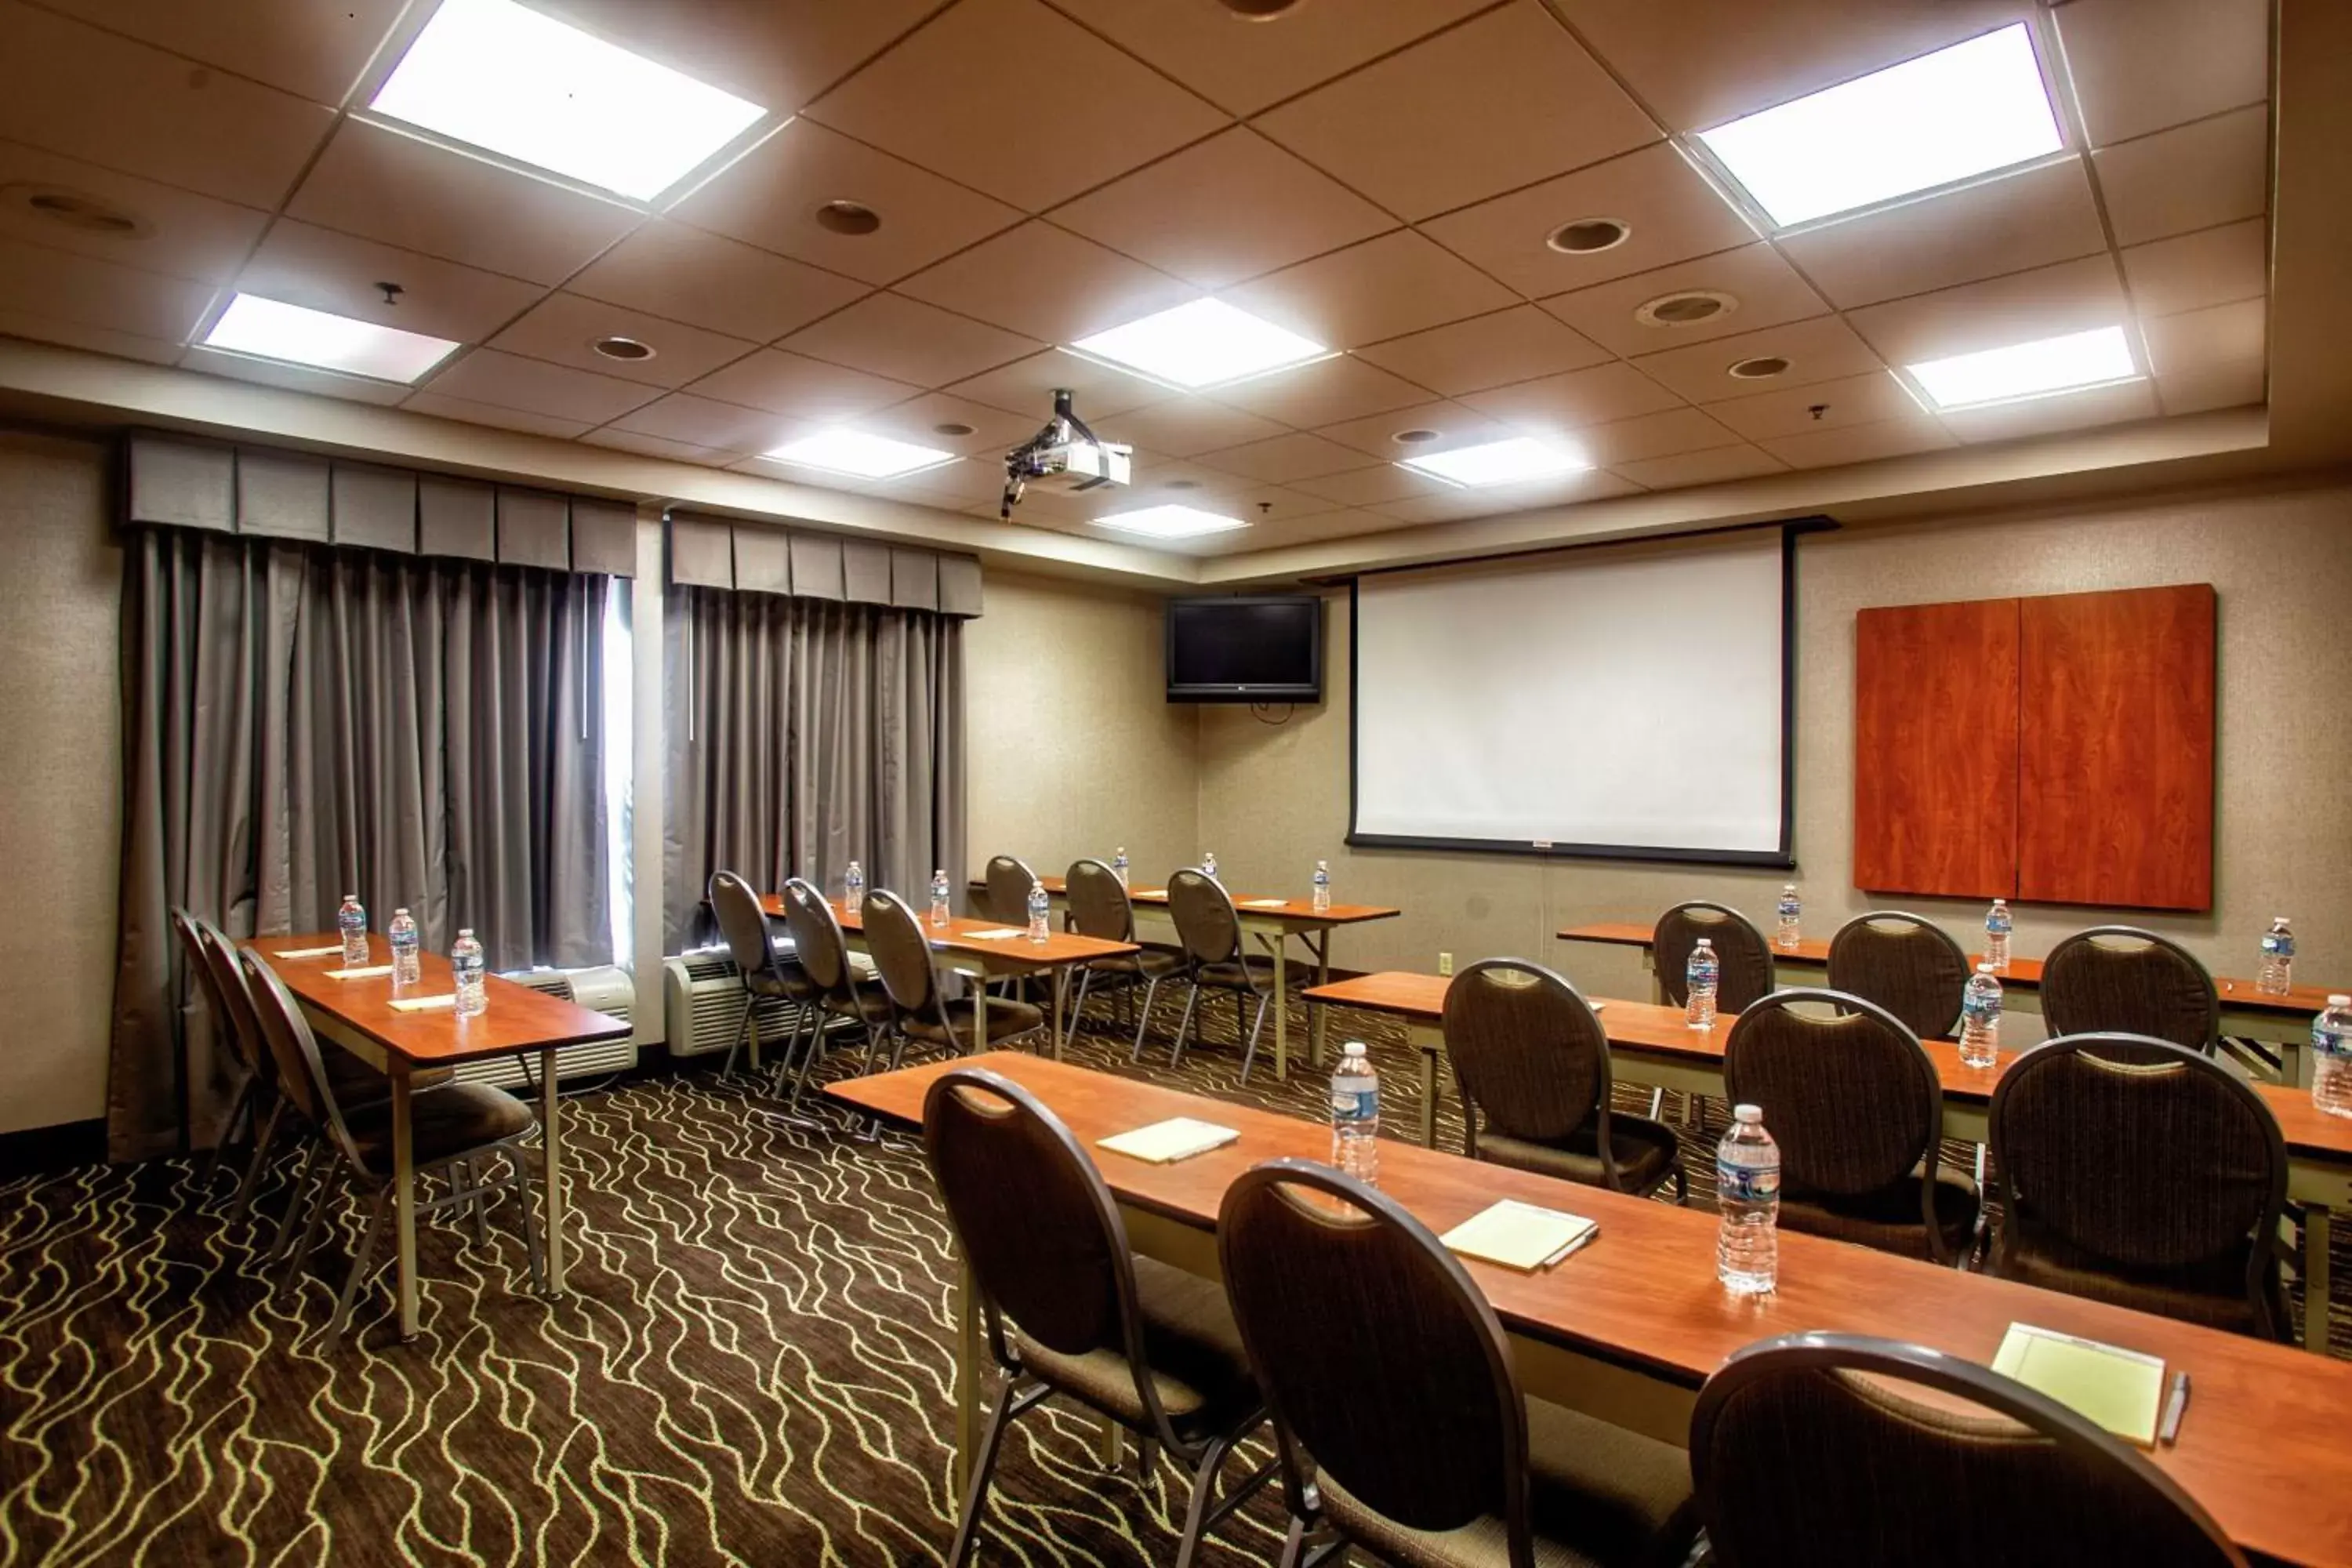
(1265, 648)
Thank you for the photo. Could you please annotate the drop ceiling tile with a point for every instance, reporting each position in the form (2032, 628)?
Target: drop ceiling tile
(1678, 430)
(954, 486)
(294, 377)
(1078, 113)
(2214, 386)
(1384, 288)
(2218, 335)
(1495, 501)
(2191, 271)
(1859, 443)
(703, 421)
(1256, 501)
(1185, 427)
(706, 280)
(775, 53)
(1454, 425)
(643, 446)
(96, 96)
(561, 328)
(1715, 465)
(2049, 416)
(2191, 177)
(1766, 291)
(510, 380)
(905, 340)
(1853, 400)
(2030, 218)
(1581, 397)
(1323, 393)
(442, 406)
(1374, 486)
(1027, 387)
(1222, 210)
(35, 281)
(994, 431)
(770, 198)
(97, 340)
(2047, 302)
(1822, 349)
(388, 187)
(180, 234)
(1670, 210)
(318, 268)
(2143, 65)
(1048, 283)
(801, 388)
(311, 50)
(1517, 344)
(1498, 103)
(1344, 523)
(1297, 455)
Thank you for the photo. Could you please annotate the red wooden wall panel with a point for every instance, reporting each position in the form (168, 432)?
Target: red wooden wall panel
(1936, 749)
(2115, 729)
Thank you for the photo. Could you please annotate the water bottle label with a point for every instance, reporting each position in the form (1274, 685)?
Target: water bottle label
(2334, 1043)
(2277, 946)
(1354, 1104)
(1747, 1183)
(1986, 1012)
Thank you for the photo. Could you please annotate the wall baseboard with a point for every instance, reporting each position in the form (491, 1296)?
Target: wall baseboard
(36, 1151)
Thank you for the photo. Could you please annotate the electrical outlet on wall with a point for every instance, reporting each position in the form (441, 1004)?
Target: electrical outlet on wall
(1445, 964)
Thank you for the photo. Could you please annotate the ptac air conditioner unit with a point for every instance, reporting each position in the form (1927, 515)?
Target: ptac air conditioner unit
(604, 989)
(702, 1008)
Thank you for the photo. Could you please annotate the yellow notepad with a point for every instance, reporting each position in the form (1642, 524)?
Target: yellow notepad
(2119, 1389)
(424, 1003)
(1163, 1143)
(1520, 1236)
(375, 972)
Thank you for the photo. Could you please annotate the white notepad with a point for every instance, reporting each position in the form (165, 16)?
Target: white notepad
(1266, 903)
(1163, 1142)
(424, 1004)
(375, 972)
(2120, 1390)
(1520, 1236)
(993, 933)
(1149, 894)
(336, 950)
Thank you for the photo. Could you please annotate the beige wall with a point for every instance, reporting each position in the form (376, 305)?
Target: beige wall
(60, 773)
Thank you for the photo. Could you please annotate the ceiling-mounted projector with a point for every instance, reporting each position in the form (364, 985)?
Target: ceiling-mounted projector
(1063, 456)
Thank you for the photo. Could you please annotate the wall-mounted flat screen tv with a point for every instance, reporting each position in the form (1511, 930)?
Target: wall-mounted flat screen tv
(1257, 648)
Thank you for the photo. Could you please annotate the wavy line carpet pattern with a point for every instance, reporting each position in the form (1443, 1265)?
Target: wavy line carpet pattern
(752, 1366)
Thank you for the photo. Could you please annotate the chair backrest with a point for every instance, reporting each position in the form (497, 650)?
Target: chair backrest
(902, 953)
(743, 923)
(228, 991)
(1008, 880)
(1849, 1096)
(1099, 906)
(1330, 1283)
(818, 946)
(1744, 964)
(1810, 1449)
(2136, 1151)
(2124, 980)
(187, 932)
(1904, 963)
(301, 1075)
(1528, 1052)
(1207, 922)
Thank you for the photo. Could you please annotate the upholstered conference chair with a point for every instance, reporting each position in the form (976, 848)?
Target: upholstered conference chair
(1531, 1061)
(1007, 881)
(2137, 1172)
(765, 972)
(2121, 980)
(1397, 1412)
(1812, 1450)
(1210, 931)
(1099, 907)
(257, 1097)
(822, 953)
(1910, 967)
(1743, 959)
(1068, 1307)
(920, 1011)
(1858, 1112)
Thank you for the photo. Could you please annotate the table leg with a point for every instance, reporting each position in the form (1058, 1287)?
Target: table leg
(2316, 1226)
(1281, 1006)
(551, 1179)
(1428, 1098)
(979, 1022)
(966, 1379)
(404, 1198)
(1061, 981)
(1319, 1017)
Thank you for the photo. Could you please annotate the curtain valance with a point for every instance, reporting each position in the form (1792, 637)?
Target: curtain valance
(762, 558)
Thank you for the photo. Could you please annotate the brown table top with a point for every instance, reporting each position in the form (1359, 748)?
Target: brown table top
(2261, 1448)
(1246, 904)
(519, 1019)
(1058, 948)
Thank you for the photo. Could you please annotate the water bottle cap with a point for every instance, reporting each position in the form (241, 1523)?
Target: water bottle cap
(1984, 969)
(398, 912)
(1748, 1113)
(1352, 1048)
(2278, 919)
(1705, 944)
(465, 932)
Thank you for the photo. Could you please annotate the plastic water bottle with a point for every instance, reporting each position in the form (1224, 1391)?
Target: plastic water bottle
(1118, 865)
(352, 921)
(1792, 912)
(852, 887)
(940, 897)
(1699, 977)
(1996, 929)
(1322, 886)
(465, 966)
(2275, 978)
(1748, 1195)
(1041, 906)
(1356, 1114)
(2331, 1058)
(1209, 864)
(1980, 1018)
(402, 934)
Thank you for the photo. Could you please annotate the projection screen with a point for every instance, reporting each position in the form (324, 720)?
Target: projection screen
(1621, 700)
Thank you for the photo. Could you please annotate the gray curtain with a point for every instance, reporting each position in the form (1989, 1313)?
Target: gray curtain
(302, 722)
(803, 734)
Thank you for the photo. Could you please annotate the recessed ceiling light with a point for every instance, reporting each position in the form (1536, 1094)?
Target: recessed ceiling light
(2100, 357)
(502, 77)
(1587, 235)
(1170, 522)
(1950, 115)
(1413, 438)
(73, 209)
(1201, 344)
(856, 452)
(1259, 10)
(1686, 308)
(852, 219)
(951, 428)
(1183, 484)
(1761, 368)
(270, 329)
(627, 349)
(1499, 462)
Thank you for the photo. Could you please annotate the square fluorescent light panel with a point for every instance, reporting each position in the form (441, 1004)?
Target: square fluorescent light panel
(857, 453)
(1201, 344)
(1170, 522)
(1958, 112)
(1499, 462)
(502, 77)
(270, 329)
(2100, 357)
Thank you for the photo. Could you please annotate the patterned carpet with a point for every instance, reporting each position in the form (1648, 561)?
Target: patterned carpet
(753, 1365)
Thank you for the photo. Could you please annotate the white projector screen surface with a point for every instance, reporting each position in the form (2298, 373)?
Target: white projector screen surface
(1616, 700)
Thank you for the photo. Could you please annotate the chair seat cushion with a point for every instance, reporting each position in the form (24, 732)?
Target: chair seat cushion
(1006, 1018)
(866, 1004)
(354, 1083)
(788, 980)
(1151, 964)
(443, 1125)
(1645, 1151)
(1250, 972)
(2212, 1293)
(1199, 1369)
(1598, 1497)
(1890, 1220)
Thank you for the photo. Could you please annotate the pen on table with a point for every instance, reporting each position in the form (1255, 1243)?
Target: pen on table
(2173, 1405)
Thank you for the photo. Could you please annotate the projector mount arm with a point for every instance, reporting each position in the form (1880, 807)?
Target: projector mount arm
(1031, 459)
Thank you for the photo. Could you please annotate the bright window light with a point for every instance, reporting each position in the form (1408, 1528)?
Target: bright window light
(1170, 522)
(502, 77)
(1499, 462)
(270, 329)
(2096, 358)
(1201, 344)
(1958, 112)
(855, 452)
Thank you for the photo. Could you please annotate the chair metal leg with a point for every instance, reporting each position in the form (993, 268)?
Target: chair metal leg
(742, 1029)
(1183, 1024)
(379, 1210)
(241, 1111)
(520, 1176)
(1142, 1016)
(480, 1203)
(1077, 1008)
(808, 1057)
(1250, 1054)
(1294, 1544)
(263, 1141)
(294, 1202)
(329, 1188)
(1204, 1487)
(984, 1465)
